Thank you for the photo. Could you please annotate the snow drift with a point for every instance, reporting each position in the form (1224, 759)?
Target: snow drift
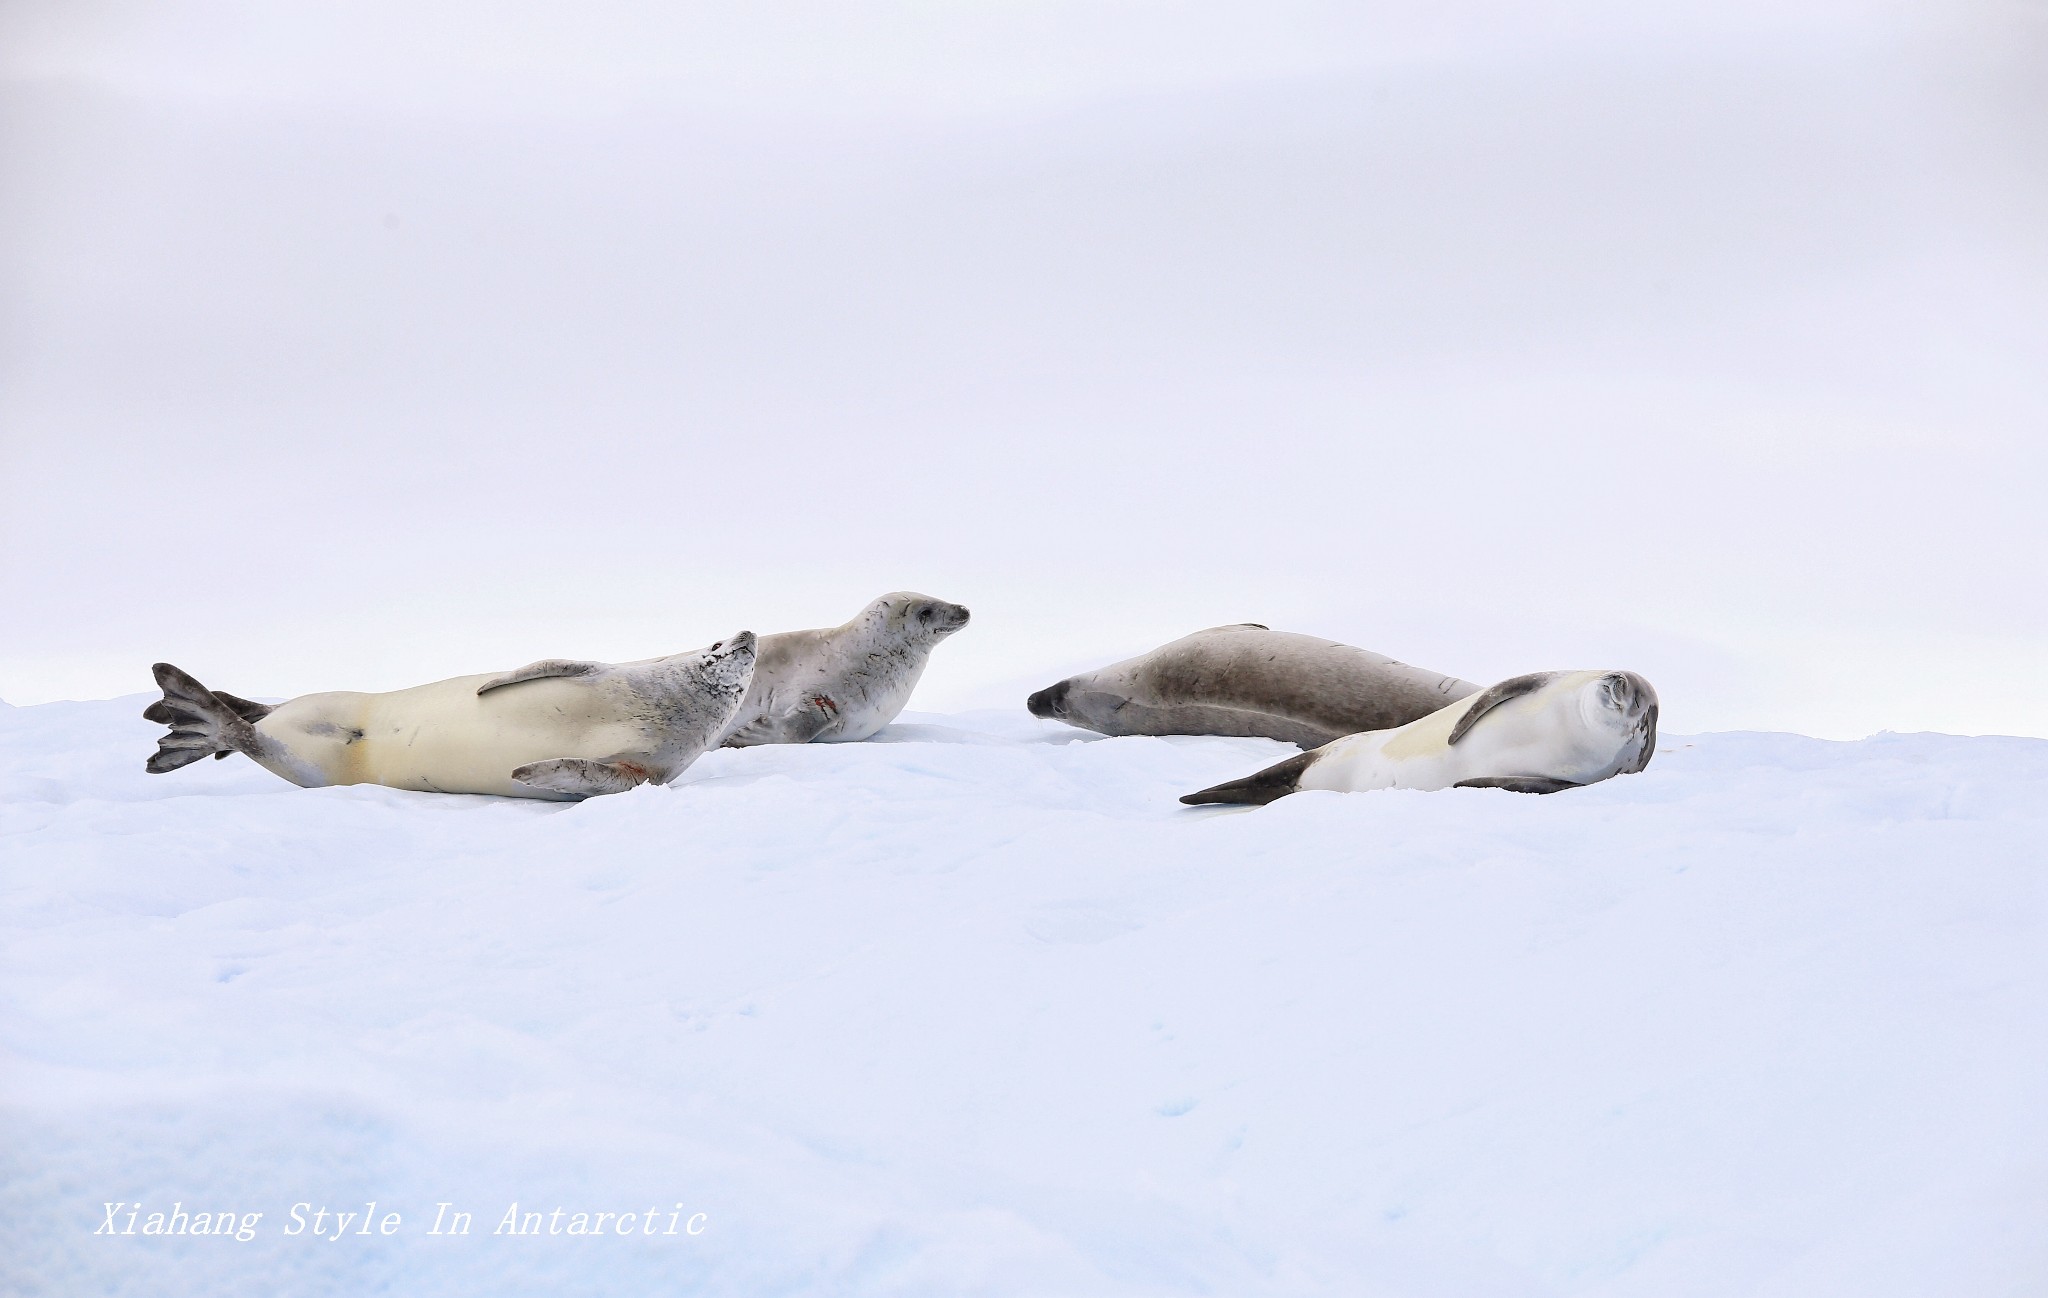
(980, 1009)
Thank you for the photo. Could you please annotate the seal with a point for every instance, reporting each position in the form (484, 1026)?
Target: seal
(557, 729)
(1538, 733)
(1250, 680)
(842, 683)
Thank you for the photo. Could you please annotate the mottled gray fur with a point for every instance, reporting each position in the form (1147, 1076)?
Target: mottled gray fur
(687, 701)
(1250, 680)
(844, 682)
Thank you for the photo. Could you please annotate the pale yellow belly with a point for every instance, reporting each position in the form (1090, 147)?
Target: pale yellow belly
(445, 738)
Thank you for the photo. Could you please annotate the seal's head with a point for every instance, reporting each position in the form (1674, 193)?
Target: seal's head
(1082, 701)
(727, 667)
(915, 617)
(1624, 705)
(1051, 702)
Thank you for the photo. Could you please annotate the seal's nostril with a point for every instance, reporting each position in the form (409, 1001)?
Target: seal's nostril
(1048, 701)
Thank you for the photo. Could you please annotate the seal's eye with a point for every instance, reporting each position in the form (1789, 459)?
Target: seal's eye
(716, 646)
(925, 614)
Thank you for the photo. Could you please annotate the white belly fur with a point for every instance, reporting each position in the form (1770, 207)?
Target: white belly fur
(872, 703)
(1531, 735)
(445, 738)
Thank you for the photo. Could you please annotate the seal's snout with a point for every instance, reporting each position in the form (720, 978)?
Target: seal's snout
(1050, 702)
(730, 662)
(941, 618)
(923, 615)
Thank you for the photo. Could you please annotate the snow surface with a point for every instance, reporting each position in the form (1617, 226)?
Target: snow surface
(981, 1010)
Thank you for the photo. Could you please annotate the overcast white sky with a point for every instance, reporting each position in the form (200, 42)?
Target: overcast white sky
(355, 345)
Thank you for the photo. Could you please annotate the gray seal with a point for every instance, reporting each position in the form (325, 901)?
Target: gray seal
(559, 728)
(842, 683)
(1540, 733)
(1250, 680)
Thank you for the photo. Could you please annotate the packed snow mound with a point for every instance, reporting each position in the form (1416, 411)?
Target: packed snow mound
(979, 1008)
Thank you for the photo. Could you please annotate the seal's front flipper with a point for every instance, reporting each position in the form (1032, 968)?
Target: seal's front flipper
(800, 725)
(1493, 696)
(541, 671)
(581, 778)
(807, 720)
(1519, 783)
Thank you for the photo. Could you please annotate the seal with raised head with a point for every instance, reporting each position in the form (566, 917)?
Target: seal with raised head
(1250, 680)
(1538, 733)
(557, 729)
(846, 682)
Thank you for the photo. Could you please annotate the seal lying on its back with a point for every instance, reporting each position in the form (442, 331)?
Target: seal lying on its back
(845, 682)
(1533, 734)
(1250, 680)
(554, 729)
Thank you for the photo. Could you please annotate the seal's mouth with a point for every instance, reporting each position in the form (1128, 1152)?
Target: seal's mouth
(1050, 702)
(1646, 731)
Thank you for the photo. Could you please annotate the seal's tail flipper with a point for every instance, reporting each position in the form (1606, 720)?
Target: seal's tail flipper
(203, 723)
(1269, 785)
